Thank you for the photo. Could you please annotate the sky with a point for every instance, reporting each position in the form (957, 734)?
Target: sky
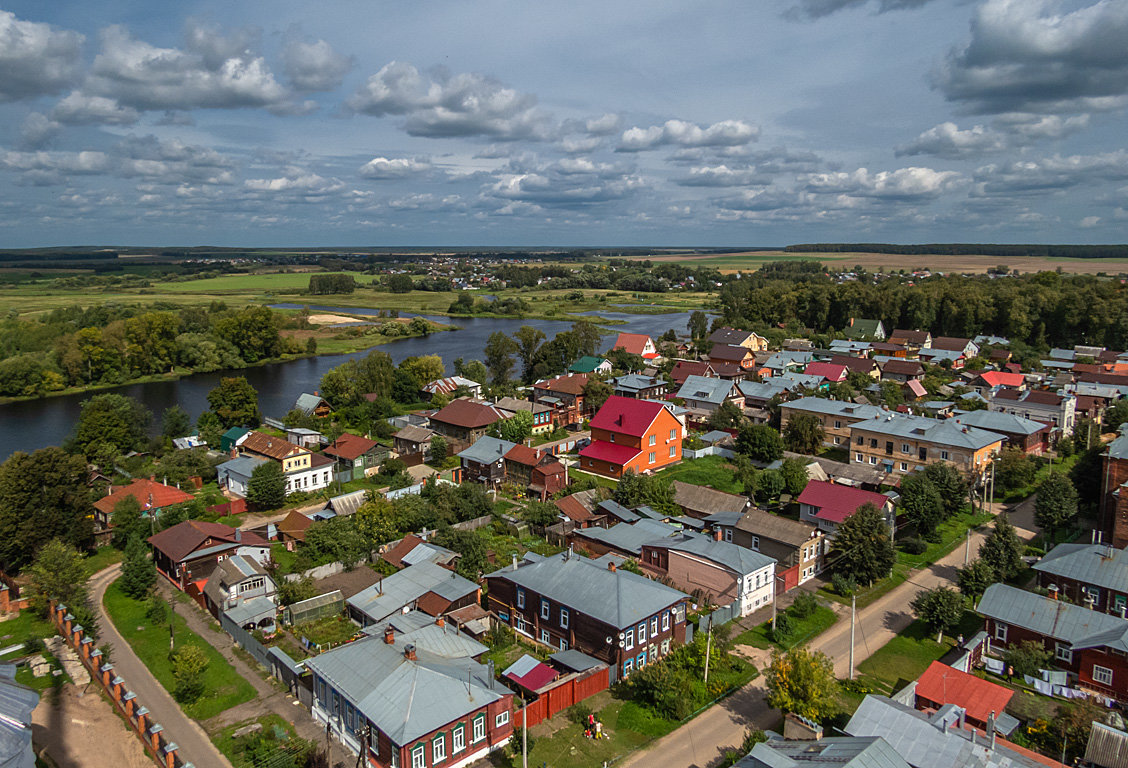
(490, 122)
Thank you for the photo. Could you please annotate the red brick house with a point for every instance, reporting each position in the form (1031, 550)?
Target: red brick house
(640, 435)
(187, 553)
(1091, 645)
(1093, 575)
(1114, 492)
(565, 395)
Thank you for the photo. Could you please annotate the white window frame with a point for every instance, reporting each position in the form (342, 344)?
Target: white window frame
(545, 637)
(546, 609)
(564, 618)
(502, 718)
(756, 543)
(665, 621)
(673, 434)
(944, 455)
(1103, 676)
(859, 458)
(479, 728)
(1000, 632)
(628, 643)
(728, 534)
(438, 749)
(418, 756)
(520, 598)
(1063, 652)
(652, 458)
(653, 626)
(906, 448)
(458, 739)
(563, 644)
(642, 633)
(673, 451)
(653, 440)
(665, 646)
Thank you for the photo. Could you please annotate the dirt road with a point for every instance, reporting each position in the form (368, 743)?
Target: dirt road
(80, 730)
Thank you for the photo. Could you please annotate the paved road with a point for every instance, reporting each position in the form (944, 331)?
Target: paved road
(195, 746)
(704, 740)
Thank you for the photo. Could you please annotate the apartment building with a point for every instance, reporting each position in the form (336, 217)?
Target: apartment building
(836, 416)
(899, 444)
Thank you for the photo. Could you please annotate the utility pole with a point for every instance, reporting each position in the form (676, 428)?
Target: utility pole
(853, 618)
(708, 653)
(524, 734)
(967, 548)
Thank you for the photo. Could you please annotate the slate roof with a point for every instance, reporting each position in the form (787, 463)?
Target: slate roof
(468, 414)
(635, 382)
(618, 598)
(629, 537)
(16, 705)
(487, 450)
(824, 407)
(829, 752)
(764, 390)
(404, 588)
(996, 421)
(149, 494)
(422, 631)
(781, 529)
(837, 502)
(1118, 448)
(513, 404)
(709, 390)
(615, 509)
(945, 685)
(707, 501)
(347, 503)
(938, 431)
(413, 434)
(574, 660)
(737, 559)
(405, 699)
(1074, 624)
(1088, 564)
(785, 358)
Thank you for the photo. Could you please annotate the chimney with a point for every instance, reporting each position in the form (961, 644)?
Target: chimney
(380, 586)
(612, 567)
(717, 534)
(238, 535)
(440, 621)
(490, 666)
(152, 478)
(991, 728)
(389, 635)
(514, 561)
(409, 652)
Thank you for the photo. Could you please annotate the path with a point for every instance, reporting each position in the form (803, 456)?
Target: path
(195, 746)
(703, 741)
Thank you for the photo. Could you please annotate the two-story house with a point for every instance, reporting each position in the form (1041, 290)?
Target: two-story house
(464, 420)
(397, 703)
(484, 461)
(565, 395)
(708, 394)
(1092, 575)
(739, 338)
(719, 571)
(827, 505)
(639, 435)
(965, 347)
(895, 369)
(683, 369)
(798, 548)
(636, 344)
(1057, 410)
(188, 552)
(304, 470)
(542, 414)
(356, 456)
(1029, 436)
(493, 462)
(913, 341)
(639, 387)
(153, 498)
(241, 589)
(899, 444)
(732, 354)
(567, 601)
(1114, 490)
(836, 416)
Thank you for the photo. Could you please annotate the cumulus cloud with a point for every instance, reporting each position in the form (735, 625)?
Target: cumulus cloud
(445, 105)
(816, 9)
(902, 184)
(566, 182)
(80, 109)
(1026, 128)
(296, 181)
(759, 200)
(1050, 174)
(604, 125)
(314, 66)
(721, 176)
(1030, 56)
(727, 133)
(38, 131)
(948, 140)
(393, 168)
(58, 162)
(145, 77)
(36, 59)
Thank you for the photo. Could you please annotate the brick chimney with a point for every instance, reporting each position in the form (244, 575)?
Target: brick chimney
(612, 567)
(440, 621)
(389, 635)
(716, 534)
(409, 652)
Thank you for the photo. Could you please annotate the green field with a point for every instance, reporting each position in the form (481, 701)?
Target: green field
(804, 631)
(711, 471)
(906, 656)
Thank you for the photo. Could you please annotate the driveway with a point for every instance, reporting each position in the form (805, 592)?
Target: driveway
(195, 746)
(703, 741)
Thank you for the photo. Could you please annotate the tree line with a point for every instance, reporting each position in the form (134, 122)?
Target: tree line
(1059, 251)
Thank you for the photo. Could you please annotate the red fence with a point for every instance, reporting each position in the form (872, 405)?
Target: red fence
(157, 744)
(790, 577)
(566, 692)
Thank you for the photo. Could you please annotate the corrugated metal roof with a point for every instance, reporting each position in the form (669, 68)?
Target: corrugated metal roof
(402, 589)
(487, 450)
(629, 537)
(16, 705)
(837, 751)
(1089, 564)
(1080, 627)
(1107, 747)
(709, 390)
(740, 560)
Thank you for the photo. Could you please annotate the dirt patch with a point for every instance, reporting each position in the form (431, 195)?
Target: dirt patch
(349, 582)
(330, 319)
(81, 730)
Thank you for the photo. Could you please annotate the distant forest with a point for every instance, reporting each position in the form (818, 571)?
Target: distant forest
(970, 249)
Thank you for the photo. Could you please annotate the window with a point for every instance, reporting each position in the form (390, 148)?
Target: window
(860, 440)
(502, 718)
(728, 534)
(665, 621)
(458, 739)
(1001, 632)
(859, 458)
(611, 437)
(673, 434)
(640, 660)
(665, 646)
(1063, 652)
(651, 457)
(904, 467)
(642, 633)
(628, 667)
(520, 598)
(418, 759)
(873, 442)
(563, 644)
(1102, 675)
(479, 728)
(943, 454)
(756, 542)
(906, 448)
(521, 626)
(673, 451)
(653, 439)
(544, 638)
(872, 459)
(503, 615)
(629, 642)
(654, 626)
(438, 749)
(546, 609)
(564, 618)
(838, 424)
(838, 441)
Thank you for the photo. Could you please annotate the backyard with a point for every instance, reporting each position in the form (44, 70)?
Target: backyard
(712, 471)
(907, 656)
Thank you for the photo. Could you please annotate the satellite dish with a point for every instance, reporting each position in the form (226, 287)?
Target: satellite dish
(609, 640)
(621, 635)
(620, 643)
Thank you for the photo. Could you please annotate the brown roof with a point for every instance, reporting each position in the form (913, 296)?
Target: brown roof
(432, 604)
(295, 525)
(854, 364)
(727, 370)
(349, 446)
(468, 414)
(413, 434)
(913, 337)
(781, 529)
(570, 383)
(573, 509)
(468, 613)
(950, 343)
(1000, 354)
(149, 494)
(885, 346)
(184, 538)
(396, 554)
(686, 368)
(905, 367)
(729, 335)
(513, 404)
(729, 352)
(269, 446)
(523, 454)
(706, 501)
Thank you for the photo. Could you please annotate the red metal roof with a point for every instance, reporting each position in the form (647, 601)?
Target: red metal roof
(998, 378)
(614, 453)
(634, 343)
(627, 416)
(828, 371)
(945, 685)
(914, 386)
(468, 414)
(349, 446)
(837, 502)
(149, 494)
(538, 676)
(182, 539)
(523, 454)
(571, 507)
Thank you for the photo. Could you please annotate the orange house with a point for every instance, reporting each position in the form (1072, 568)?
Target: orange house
(632, 434)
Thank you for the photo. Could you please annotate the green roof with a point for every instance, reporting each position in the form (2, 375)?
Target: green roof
(862, 328)
(586, 364)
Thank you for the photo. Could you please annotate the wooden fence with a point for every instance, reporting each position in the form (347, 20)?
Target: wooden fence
(159, 746)
(567, 691)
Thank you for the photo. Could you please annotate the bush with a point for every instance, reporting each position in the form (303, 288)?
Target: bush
(188, 667)
(805, 604)
(912, 545)
(783, 628)
(157, 611)
(843, 585)
(578, 714)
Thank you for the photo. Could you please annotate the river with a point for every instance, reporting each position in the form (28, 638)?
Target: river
(34, 424)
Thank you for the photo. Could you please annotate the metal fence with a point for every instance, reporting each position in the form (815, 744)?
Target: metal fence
(722, 615)
(246, 640)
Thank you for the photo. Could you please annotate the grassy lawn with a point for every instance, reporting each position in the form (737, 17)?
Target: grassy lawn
(805, 629)
(20, 628)
(599, 480)
(224, 687)
(234, 749)
(907, 655)
(503, 546)
(1059, 465)
(102, 557)
(712, 471)
(332, 630)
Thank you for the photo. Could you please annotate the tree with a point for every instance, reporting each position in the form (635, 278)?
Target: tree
(759, 442)
(596, 393)
(111, 419)
(528, 338)
(439, 449)
(795, 477)
(862, 545)
(542, 513)
(801, 681)
(1014, 469)
(698, 324)
(515, 429)
(267, 487)
(1115, 415)
(235, 402)
(892, 393)
(471, 548)
(189, 664)
(375, 522)
(423, 368)
(43, 496)
(635, 490)
(175, 422)
(499, 352)
(290, 592)
(475, 370)
(59, 572)
(127, 521)
(1028, 658)
(1002, 549)
(209, 428)
(1055, 506)
(940, 608)
(975, 578)
(728, 416)
(922, 504)
(138, 573)
(253, 331)
(950, 483)
(770, 484)
(336, 540)
(803, 433)
(400, 283)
